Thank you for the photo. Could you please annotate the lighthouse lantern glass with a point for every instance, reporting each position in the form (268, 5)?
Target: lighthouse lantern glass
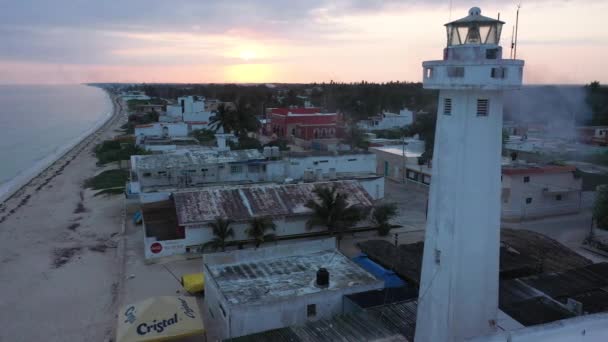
(474, 33)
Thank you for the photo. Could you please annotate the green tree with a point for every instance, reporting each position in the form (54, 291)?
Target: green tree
(600, 208)
(225, 117)
(247, 122)
(597, 99)
(203, 135)
(221, 233)
(424, 126)
(239, 120)
(355, 137)
(258, 226)
(331, 210)
(245, 143)
(381, 217)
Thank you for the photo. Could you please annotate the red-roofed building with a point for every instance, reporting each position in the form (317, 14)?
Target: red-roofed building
(303, 123)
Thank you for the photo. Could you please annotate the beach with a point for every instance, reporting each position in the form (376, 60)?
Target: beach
(59, 262)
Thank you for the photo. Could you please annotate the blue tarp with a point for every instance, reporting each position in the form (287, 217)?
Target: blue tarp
(137, 217)
(389, 277)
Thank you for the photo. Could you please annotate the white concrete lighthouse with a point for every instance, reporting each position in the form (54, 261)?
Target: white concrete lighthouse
(458, 295)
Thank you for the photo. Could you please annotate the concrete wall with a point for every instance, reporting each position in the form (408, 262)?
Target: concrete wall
(341, 164)
(174, 111)
(464, 202)
(160, 129)
(272, 170)
(197, 117)
(373, 186)
(245, 319)
(196, 236)
(516, 192)
(192, 176)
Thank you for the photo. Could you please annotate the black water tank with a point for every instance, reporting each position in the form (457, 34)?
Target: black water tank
(322, 277)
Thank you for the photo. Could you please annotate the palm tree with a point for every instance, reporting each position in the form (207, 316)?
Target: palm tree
(381, 217)
(332, 211)
(225, 118)
(221, 232)
(258, 227)
(247, 122)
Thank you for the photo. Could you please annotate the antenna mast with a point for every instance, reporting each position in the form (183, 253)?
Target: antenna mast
(516, 29)
(450, 18)
(512, 42)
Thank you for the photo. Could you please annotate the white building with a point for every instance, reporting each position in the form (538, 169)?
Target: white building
(458, 296)
(534, 191)
(191, 110)
(201, 167)
(134, 95)
(250, 291)
(180, 224)
(196, 167)
(386, 120)
(160, 129)
(402, 162)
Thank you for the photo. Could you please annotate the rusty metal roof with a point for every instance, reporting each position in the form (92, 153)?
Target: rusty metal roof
(245, 202)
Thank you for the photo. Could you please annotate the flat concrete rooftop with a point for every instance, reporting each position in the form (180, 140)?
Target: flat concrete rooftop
(195, 158)
(256, 281)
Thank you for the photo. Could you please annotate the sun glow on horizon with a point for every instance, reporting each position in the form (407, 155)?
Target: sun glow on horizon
(247, 55)
(250, 73)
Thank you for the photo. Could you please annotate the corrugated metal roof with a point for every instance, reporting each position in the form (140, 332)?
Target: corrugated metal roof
(524, 252)
(353, 327)
(246, 202)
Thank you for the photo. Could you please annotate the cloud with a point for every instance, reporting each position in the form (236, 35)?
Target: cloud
(343, 39)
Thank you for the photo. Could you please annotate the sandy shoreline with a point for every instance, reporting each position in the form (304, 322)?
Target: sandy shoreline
(18, 196)
(59, 261)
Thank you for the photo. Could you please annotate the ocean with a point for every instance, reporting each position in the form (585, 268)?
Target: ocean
(38, 123)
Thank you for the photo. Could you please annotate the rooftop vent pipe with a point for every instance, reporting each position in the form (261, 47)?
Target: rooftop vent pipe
(322, 277)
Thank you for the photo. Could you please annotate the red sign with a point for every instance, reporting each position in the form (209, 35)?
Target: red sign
(156, 247)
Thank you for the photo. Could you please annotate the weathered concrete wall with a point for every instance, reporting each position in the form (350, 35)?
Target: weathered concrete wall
(245, 319)
(516, 192)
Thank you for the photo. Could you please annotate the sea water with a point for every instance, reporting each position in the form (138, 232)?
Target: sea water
(39, 123)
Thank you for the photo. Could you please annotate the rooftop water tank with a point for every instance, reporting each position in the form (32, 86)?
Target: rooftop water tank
(267, 152)
(322, 277)
(275, 152)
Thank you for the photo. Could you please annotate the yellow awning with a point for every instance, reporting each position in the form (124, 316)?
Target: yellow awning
(159, 319)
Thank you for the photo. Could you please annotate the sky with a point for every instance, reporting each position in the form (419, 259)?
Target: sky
(247, 41)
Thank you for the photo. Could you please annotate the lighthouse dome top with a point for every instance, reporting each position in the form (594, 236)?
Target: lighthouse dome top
(474, 29)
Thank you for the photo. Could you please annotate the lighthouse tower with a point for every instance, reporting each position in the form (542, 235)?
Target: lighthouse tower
(458, 295)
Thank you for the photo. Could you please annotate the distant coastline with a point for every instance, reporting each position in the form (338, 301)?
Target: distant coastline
(9, 188)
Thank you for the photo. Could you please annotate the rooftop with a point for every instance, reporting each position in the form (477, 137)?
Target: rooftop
(357, 326)
(299, 111)
(277, 273)
(246, 202)
(398, 150)
(529, 168)
(192, 158)
(522, 253)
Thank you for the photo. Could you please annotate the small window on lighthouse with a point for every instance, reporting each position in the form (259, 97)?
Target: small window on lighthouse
(499, 72)
(447, 106)
(482, 107)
